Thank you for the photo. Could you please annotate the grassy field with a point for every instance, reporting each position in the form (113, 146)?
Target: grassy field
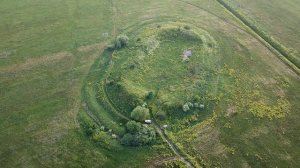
(280, 20)
(52, 57)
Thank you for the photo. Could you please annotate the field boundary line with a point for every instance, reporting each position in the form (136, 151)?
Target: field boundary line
(274, 46)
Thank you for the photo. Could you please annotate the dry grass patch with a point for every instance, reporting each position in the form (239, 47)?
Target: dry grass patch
(88, 48)
(231, 111)
(255, 132)
(33, 62)
(208, 142)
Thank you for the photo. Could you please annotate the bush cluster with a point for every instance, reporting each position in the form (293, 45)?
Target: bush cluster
(161, 115)
(120, 42)
(138, 134)
(188, 106)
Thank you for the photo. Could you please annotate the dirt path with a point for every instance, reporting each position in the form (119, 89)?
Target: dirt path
(172, 145)
(91, 114)
(160, 161)
(114, 18)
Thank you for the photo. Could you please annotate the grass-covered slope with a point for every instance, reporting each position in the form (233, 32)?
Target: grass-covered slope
(154, 62)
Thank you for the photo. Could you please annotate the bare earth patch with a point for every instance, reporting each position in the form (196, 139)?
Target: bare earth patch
(231, 111)
(160, 161)
(91, 47)
(208, 142)
(256, 132)
(274, 85)
(32, 62)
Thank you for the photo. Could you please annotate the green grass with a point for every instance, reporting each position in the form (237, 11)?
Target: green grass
(52, 26)
(245, 139)
(281, 20)
(47, 50)
(288, 55)
(147, 71)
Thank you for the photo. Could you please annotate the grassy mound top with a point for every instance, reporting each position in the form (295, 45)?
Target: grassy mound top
(171, 61)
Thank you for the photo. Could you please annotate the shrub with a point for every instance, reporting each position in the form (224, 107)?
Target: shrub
(150, 95)
(187, 27)
(140, 113)
(161, 115)
(120, 42)
(133, 126)
(190, 104)
(127, 139)
(185, 107)
(102, 138)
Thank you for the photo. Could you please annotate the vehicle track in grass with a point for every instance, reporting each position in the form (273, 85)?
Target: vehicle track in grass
(161, 161)
(171, 144)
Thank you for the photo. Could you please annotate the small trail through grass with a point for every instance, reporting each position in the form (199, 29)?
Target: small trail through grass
(172, 145)
(161, 132)
(116, 110)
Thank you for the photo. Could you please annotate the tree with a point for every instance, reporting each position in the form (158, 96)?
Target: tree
(121, 41)
(133, 126)
(150, 95)
(138, 134)
(185, 107)
(127, 139)
(140, 113)
(161, 115)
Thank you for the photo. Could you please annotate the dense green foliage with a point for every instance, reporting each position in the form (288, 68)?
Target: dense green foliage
(138, 134)
(140, 114)
(121, 41)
